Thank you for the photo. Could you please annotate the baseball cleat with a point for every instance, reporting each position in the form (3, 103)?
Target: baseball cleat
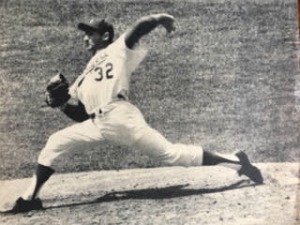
(248, 169)
(22, 205)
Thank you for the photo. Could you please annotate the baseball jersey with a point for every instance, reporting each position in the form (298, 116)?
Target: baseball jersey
(107, 75)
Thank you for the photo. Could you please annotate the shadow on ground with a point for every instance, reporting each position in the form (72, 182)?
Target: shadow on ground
(159, 193)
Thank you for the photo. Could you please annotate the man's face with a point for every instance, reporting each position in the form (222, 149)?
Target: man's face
(93, 41)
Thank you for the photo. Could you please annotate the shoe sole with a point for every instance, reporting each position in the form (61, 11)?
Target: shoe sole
(252, 172)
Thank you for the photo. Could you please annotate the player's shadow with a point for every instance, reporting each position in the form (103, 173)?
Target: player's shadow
(159, 193)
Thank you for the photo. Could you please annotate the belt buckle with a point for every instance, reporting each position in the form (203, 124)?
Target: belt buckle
(93, 115)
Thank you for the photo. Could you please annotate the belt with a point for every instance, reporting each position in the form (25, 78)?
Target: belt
(93, 115)
(99, 111)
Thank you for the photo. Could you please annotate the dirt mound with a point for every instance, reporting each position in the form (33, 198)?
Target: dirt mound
(203, 195)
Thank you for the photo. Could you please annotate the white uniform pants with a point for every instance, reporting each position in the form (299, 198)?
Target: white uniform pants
(122, 123)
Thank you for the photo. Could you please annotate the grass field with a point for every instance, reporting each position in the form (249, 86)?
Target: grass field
(226, 79)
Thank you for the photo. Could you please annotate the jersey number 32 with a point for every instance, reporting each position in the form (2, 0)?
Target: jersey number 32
(104, 72)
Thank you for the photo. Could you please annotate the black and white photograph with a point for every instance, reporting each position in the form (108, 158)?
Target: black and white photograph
(152, 112)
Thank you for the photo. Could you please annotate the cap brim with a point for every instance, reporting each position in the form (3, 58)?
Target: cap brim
(86, 28)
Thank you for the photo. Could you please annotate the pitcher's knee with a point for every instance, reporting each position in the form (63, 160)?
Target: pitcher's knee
(47, 157)
(182, 155)
(53, 148)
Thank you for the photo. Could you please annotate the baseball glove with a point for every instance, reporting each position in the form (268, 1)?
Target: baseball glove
(57, 91)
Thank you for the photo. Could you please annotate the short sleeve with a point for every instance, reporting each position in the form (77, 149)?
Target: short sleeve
(73, 90)
(133, 56)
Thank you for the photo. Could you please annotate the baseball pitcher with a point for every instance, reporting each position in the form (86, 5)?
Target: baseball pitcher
(103, 111)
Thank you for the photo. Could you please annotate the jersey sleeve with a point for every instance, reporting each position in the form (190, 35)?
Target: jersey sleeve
(73, 90)
(133, 56)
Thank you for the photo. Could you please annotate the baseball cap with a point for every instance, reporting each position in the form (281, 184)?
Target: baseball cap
(96, 25)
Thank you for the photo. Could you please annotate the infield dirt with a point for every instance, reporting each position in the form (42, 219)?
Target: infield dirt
(203, 195)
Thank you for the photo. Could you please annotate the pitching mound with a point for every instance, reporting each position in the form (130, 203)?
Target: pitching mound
(203, 195)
